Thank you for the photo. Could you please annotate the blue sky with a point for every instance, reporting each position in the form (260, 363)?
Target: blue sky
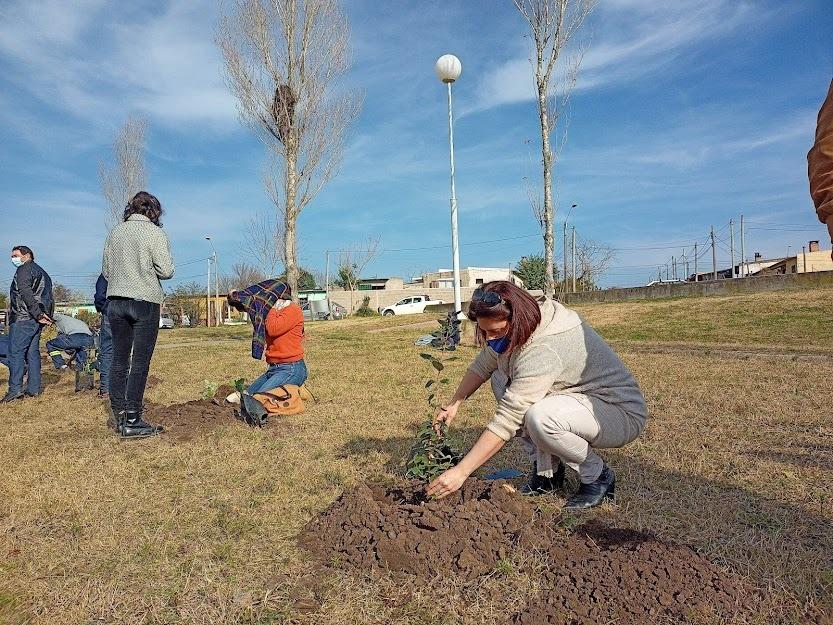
(686, 114)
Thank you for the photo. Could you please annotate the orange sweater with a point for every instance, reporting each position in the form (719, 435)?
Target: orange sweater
(285, 335)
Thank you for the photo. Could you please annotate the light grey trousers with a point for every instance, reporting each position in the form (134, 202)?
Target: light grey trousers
(568, 426)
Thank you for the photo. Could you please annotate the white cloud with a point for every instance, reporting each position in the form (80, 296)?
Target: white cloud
(635, 38)
(96, 61)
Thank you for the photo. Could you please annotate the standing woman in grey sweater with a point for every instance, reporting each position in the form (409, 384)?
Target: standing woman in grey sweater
(137, 255)
(559, 387)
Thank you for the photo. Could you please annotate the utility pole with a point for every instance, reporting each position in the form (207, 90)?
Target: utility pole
(803, 259)
(674, 266)
(667, 272)
(696, 274)
(686, 271)
(565, 255)
(744, 270)
(574, 259)
(659, 274)
(327, 280)
(732, 244)
(208, 294)
(218, 313)
(714, 258)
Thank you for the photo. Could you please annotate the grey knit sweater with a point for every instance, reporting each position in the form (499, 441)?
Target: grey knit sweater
(137, 255)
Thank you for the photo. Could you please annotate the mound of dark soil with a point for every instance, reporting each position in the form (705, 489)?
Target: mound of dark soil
(184, 422)
(397, 529)
(595, 574)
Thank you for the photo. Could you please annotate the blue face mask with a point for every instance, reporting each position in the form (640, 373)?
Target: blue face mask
(499, 345)
(17, 261)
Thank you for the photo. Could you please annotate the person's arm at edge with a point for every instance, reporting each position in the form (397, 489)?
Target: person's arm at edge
(820, 164)
(486, 446)
(163, 261)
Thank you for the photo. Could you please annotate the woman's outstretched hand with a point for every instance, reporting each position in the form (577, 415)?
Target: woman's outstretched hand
(447, 483)
(446, 415)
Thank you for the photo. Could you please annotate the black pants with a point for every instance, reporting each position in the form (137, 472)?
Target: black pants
(135, 326)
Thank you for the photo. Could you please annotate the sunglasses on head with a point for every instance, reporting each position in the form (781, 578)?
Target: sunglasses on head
(490, 298)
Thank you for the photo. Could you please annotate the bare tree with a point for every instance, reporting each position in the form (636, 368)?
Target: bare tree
(553, 24)
(264, 240)
(283, 59)
(352, 262)
(592, 260)
(125, 174)
(242, 275)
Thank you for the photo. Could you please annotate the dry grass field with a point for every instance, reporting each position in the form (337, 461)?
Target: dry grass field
(737, 461)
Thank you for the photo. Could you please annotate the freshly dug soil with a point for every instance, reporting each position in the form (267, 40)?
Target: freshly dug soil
(596, 574)
(184, 422)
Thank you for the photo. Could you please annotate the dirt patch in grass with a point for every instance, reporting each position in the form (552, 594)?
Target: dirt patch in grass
(199, 417)
(594, 574)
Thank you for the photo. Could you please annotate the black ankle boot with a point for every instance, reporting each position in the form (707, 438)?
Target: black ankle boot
(136, 427)
(540, 485)
(592, 495)
(115, 420)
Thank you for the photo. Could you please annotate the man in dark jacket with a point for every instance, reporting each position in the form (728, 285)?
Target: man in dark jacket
(32, 306)
(105, 338)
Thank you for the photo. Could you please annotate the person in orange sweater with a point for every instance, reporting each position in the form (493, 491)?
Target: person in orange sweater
(278, 333)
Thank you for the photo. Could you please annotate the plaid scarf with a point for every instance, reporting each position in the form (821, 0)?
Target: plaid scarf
(258, 300)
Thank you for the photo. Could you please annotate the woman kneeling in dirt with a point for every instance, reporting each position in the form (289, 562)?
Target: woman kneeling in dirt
(278, 331)
(559, 386)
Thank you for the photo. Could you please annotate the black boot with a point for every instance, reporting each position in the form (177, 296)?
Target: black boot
(592, 495)
(115, 420)
(136, 427)
(540, 485)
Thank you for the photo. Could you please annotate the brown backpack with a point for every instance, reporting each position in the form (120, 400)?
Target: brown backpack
(283, 400)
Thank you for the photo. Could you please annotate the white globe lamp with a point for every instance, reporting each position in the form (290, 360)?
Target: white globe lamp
(448, 68)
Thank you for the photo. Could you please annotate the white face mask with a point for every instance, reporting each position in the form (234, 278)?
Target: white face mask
(17, 261)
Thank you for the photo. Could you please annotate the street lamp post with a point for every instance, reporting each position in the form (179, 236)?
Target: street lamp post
(217, 315)
(566, 219)
(448, 69)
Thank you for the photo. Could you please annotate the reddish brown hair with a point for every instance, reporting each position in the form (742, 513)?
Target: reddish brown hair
(519, 308)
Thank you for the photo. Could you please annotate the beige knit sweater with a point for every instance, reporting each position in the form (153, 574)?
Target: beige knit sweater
(564, 355)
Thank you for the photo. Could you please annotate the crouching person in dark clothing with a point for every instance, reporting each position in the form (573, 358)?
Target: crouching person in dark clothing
(74, 336)
(105, 339)
(31, 309)
(137, 255)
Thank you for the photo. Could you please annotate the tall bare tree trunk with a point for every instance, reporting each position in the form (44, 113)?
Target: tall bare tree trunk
(552, 23)
(125, 175)
(548, 214)
(290, 261)
(283, 59)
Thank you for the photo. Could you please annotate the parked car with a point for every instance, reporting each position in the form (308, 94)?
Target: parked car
(410, 306)
(337, 311)
(312, 315)
(165, 321)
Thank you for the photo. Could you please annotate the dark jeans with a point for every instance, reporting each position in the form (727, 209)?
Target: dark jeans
(105, 354)
(4, 350)
(24, 351)
(280, 373)
(135, 326)
(78, 343)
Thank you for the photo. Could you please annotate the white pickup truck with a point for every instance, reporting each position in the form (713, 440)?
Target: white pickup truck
(410, 305)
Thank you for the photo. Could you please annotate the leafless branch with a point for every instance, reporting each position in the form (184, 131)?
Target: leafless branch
(124, 176)
(263, 240)
(353, 261)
